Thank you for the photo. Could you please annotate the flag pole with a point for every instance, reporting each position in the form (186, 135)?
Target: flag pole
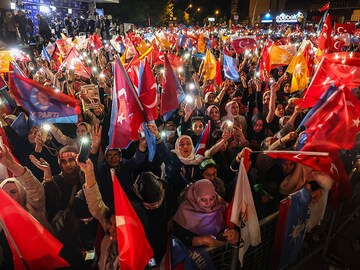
(13, 244)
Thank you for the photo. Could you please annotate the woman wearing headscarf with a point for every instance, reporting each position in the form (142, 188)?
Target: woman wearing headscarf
(200, 219)
(257, 132)
(213, 114)
(182, 165)
(232, 109)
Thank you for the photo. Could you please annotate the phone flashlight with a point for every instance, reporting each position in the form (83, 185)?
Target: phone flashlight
(189, 99)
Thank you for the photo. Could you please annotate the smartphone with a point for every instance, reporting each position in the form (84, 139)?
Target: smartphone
(84, 151)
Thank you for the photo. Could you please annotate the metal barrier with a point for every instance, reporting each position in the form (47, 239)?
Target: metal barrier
(259, 257)
(221, 257)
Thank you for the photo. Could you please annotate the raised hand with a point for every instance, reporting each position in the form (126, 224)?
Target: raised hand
(8, 160)
(41, 164)
(95, 136)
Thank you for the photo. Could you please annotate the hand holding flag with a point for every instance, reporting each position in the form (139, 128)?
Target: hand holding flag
(134, 249)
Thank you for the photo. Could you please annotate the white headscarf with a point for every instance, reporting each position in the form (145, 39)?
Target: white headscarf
(192, 159)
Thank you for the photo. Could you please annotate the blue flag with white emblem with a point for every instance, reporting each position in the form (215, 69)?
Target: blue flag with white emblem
(43, 103)
(291, 229)
(230, 68)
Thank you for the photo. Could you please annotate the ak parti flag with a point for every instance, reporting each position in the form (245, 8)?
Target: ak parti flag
(341, 68)
(204, 140)
(279, 57)
(230, 69)
(209, 68)
(43, 103)
(290, 229)
(126, 113)
(172, 94)
(148, 95)
(299, 68)
(15, 219)
(134, 249)
(5, 59)
(201, 46)
(243, 212)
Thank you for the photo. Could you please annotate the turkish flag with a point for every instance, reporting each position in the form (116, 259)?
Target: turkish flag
(134, 250)
(339, 113)
(174, 60)
(341, 68)
(336, 44)
(73, 61)
(325, 35)
(95, 42)
(24, 231)
(241, 44)
(319, 161)
(171, 89)
(342, 28)
(325, 7)
(148, 95)
(264, 61)
(126, 114)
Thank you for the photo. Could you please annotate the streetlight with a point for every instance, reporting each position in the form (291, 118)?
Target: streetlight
(190, 6)
(216, 14)
(198, 9)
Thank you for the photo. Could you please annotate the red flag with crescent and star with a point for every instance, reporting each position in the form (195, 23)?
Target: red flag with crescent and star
(341, 68)
(325, 36)
(241, 44)
(325, 7)
(148, 95)
(134, 249)
(126, 114)
(342, 28)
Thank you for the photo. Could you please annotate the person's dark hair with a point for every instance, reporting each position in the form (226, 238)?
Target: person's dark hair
(238, 93)
(197, 118)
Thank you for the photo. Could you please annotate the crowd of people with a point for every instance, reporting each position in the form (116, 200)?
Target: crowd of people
(18, 27)
(179, 192)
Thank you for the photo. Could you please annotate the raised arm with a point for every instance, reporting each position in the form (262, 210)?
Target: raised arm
(92, 193)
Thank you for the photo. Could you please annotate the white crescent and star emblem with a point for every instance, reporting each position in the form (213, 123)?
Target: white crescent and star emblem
(121, 118)
(337, 45)
(340, 29)
(356, 122)
(246, 42)
(122, 92)
(152, 105)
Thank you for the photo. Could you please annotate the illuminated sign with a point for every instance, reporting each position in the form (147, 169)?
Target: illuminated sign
(289, 18)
